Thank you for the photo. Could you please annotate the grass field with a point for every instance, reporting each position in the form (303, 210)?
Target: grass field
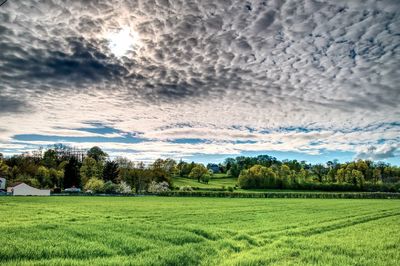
(215, 182)
(221, 180)
(198, 231)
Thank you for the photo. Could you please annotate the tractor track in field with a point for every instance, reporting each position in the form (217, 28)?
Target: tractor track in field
(333, 227)
(271, 237)
(275, 238)
(347, 218)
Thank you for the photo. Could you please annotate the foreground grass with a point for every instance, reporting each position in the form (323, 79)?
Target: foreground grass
(193, 231)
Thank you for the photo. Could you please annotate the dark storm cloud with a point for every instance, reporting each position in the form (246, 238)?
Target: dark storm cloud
(83, 64)
(12, 105)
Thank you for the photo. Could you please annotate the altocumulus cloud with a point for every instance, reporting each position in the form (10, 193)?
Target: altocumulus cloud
(240, 76)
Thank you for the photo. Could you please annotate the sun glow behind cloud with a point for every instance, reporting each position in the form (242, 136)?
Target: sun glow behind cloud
(121, 41)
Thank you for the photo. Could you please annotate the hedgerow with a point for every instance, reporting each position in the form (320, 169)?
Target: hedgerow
(319, 195)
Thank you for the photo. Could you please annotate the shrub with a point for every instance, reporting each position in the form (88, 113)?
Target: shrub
(95, 185)
(111, 188)
(230, 189)
(186, 188)
(124, 188)
(205, 178)
(155, 187)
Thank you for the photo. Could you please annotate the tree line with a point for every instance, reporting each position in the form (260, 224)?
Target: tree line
(60, 167)
(267, 172)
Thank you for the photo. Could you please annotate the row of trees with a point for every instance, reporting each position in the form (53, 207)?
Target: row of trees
(361, 175)
(64, 167)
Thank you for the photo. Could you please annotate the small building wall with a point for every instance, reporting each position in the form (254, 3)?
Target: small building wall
(2, 183)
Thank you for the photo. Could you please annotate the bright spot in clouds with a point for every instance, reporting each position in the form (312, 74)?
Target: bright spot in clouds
(121, 41)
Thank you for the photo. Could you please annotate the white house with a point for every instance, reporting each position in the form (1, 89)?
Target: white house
(2, 183)
(22, 189)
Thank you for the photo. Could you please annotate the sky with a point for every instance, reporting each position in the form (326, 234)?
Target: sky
(203, 80)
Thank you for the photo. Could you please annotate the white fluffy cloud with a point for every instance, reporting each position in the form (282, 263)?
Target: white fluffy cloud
(288, 75)
(378, 153)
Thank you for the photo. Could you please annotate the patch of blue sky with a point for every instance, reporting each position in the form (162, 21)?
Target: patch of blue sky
(188, 141)
(393, 161)
(99, 130)
(310, 128)
(243, 128)
(324, 157)
(292, 129)
(57, 139)
(207, 158)
(374, 126)
(315, 143)
(299, 129)
(381, 141)
(245, 141)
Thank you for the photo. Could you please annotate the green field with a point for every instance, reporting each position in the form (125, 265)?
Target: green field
(198, 231)
(215, 182)
(219, 181)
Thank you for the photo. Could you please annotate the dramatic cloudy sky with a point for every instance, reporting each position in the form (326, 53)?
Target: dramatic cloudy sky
(203, 79)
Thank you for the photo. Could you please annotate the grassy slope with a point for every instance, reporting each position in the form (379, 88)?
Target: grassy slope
(190, 231)
(220, 180)
(213, 183)
(217, 181)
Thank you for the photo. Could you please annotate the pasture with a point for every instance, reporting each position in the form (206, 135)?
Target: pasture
(198, 231)
(215, 182)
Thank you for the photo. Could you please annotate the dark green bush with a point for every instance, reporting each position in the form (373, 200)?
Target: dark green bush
(110, 188)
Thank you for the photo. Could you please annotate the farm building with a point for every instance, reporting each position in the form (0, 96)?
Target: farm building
(22, 189)
(213, 167)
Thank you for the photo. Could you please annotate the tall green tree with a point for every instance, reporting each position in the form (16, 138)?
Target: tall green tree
(319, 170)
(4, 169)
(258, 176)
(90, 169)
(110, 171)
(43, 176)
(376, 176)
(72, 173)
(357, 178)
(198, 172)
(98, 154)
(50, 159)
(56, 177)
(140, 178)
